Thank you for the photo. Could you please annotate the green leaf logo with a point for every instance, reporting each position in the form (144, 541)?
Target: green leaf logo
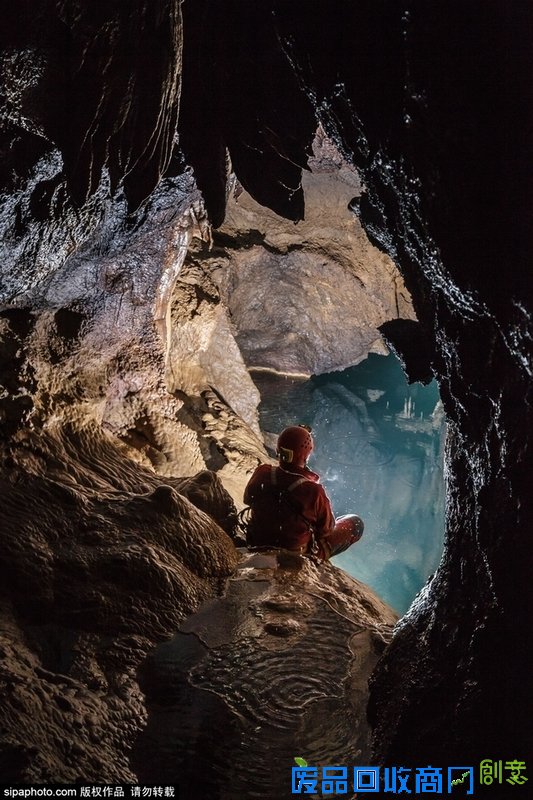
(300, 761)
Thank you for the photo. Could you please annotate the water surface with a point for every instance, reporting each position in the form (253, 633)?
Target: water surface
(379, 450)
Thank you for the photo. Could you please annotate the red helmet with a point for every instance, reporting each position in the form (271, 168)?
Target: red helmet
(295, 445)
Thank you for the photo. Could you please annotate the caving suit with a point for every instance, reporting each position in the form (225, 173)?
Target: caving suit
(290, 509)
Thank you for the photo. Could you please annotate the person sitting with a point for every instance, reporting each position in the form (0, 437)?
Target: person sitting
(289, 507)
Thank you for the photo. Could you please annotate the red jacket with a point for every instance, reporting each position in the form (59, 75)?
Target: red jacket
(288, 504)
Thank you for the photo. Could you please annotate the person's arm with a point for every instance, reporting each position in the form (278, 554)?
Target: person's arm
(253, 485)
(325, 522)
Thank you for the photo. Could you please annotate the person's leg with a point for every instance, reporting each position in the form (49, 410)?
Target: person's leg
(347, 531)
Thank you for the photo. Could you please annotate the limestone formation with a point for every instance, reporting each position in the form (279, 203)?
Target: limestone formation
(277, 667)
(431, 102)
(99, 342)
(305, 298)
(101, 559)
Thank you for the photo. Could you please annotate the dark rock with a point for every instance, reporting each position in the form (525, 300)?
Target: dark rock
(413, 347)
(98, 82)
(230, 104)
(446, 198)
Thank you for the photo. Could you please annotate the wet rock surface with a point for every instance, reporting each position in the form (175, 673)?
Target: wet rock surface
(276, 667)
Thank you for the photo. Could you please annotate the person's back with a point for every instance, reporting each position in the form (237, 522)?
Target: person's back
(289, 507)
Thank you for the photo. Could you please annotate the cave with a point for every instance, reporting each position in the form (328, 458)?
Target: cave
(145, 150)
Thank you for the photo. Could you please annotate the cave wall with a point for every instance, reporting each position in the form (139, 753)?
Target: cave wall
(432, 102)
(105, 549)
(101, 559)
(333, 289)
(442, 153)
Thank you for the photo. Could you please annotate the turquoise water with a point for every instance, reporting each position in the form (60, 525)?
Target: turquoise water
(379, 450)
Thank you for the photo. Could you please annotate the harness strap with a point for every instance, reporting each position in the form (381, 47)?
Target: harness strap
(244, 515)
(297, 483)
(284, 493)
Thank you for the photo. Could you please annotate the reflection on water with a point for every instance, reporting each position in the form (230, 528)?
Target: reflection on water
(379, 450)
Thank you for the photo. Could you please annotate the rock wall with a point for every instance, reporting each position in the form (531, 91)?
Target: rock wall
(433, 104)
(101, 559)
(446, 194)
(306, 297)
